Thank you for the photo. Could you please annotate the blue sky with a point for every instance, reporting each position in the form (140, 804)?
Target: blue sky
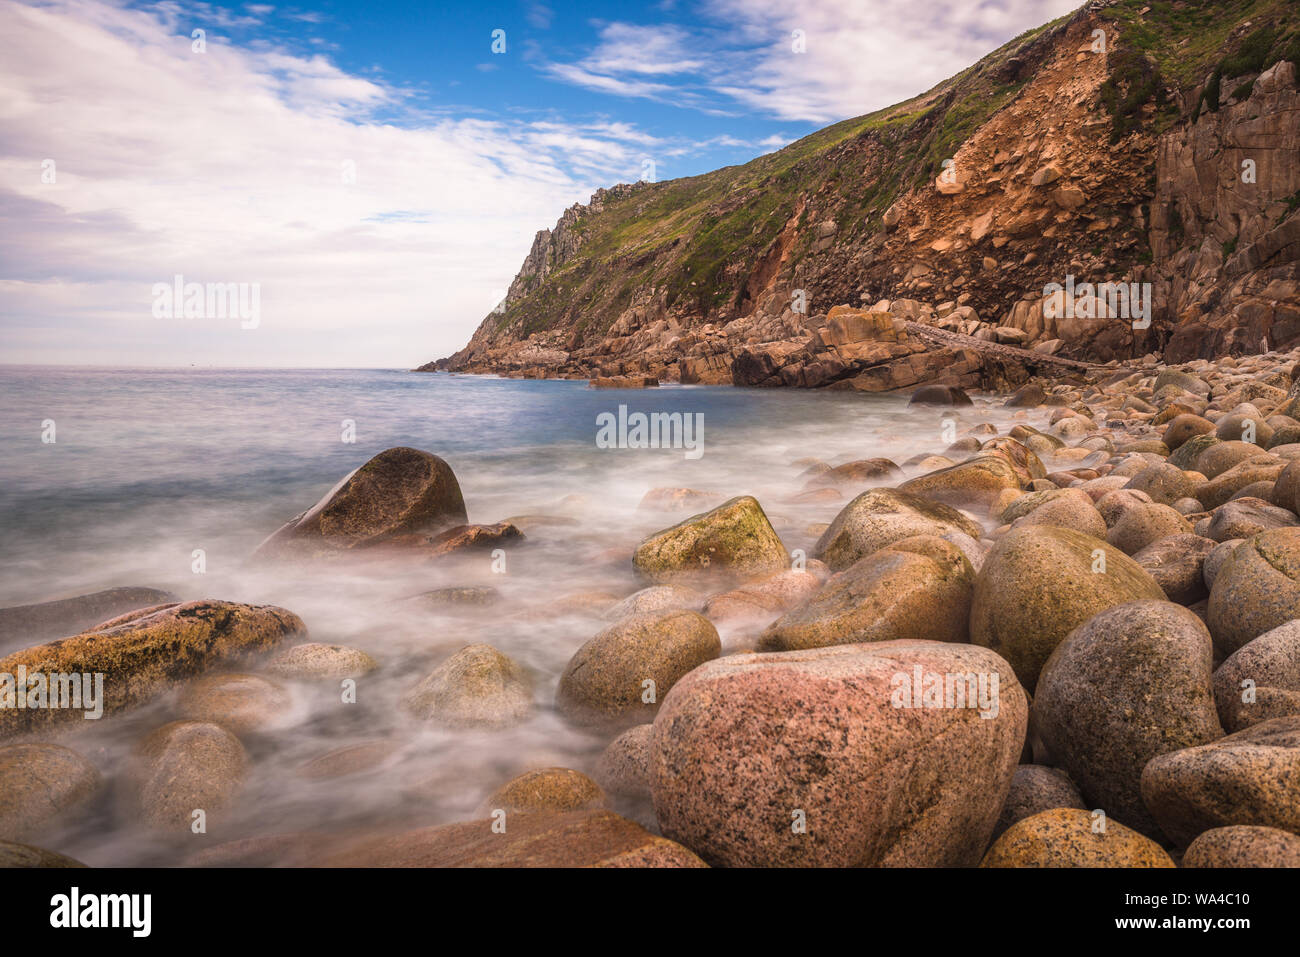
(375, 170)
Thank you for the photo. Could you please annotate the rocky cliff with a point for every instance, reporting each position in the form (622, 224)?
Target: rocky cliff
(1154, 148)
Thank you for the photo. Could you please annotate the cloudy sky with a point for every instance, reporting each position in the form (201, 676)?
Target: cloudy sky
(377, 170)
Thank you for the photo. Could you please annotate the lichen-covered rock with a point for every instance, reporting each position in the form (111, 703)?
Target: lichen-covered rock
(1067, 837)
(401, 491)
(477, 687)
(861, 772)
(915, 588)
(145, 653)
(880, 517)
(733, 542)
(1130, 683)
(1039, 583)
(620, 677)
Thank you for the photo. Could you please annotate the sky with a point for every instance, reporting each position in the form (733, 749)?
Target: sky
(365, 178)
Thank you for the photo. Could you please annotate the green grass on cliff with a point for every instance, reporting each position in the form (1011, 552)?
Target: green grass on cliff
(694, 241)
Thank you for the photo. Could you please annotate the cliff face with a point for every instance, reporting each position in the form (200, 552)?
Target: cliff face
(1108, 147)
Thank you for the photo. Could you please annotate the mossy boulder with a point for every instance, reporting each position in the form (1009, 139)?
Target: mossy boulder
(734, 542)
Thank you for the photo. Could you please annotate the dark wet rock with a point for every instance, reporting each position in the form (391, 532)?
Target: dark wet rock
(940, 395)
(401, 491)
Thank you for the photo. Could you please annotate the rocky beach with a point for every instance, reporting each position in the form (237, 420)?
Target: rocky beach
(1062, 632)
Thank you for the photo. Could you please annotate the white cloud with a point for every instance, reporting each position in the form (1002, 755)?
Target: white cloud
(227, 166)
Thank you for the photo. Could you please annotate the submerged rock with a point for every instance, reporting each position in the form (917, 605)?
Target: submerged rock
(546, 789)
(183, 767)
(238, 703)
(315, 660)
(39, 785)
(477, 687)
(68, 616)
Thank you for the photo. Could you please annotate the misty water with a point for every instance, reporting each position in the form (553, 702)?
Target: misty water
(148, 466)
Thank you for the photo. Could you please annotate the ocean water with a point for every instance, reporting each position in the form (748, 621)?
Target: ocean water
(147, 466)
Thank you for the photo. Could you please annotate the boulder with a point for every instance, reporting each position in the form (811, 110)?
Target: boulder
(977, 481)
(940, 395)
(863, 772)
(24, 855)
(623, 768)
(1177, 564)
(734, 542)
(183, 767)
(401, 491)
(40, 785)
(1255, 589)
(1144, 524)
(546, 789)
(316, 661)
(1039, 583)
(1246, 518)
(1034, 789)
(589, 838)
(68, 616)
(1063, 508)
(1249, 777)
(239, 703)
(620, 677)
(145, 653)
(1165, 483)
(1068, 837)
(915, 588)
(882, 516)
(656, 599)
(1243, 845)
(1132, 682)
(1261, 679)
(765, 600)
